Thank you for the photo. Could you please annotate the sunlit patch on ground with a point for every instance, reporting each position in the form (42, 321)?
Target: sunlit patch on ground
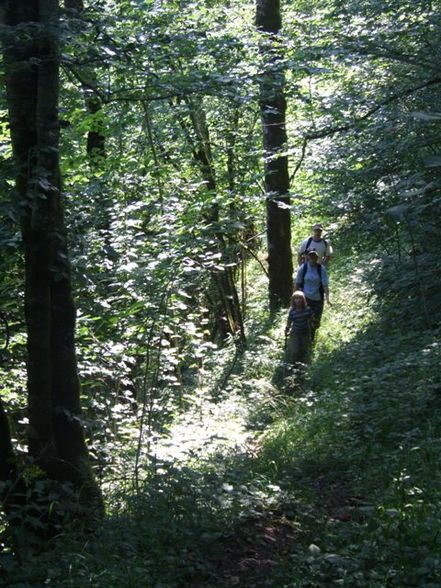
(207, 428)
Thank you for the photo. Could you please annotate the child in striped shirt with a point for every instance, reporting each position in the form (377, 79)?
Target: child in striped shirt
(298, 326)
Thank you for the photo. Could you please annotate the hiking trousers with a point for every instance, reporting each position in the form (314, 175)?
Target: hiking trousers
(299, 347)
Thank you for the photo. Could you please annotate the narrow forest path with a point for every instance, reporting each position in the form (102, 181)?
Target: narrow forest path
(319, 485)
(240, 523)
(217, 440)
(211, 452)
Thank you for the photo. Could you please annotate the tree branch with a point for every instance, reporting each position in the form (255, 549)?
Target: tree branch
(300, 161)
(251, 252)
(348, 126)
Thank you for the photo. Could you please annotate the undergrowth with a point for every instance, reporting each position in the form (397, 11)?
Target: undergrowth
(362, 447)
(333, 482)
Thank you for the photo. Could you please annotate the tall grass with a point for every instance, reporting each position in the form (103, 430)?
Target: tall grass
(361, 449)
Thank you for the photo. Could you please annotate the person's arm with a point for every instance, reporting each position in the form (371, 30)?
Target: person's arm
(325, 283)
(311, 321)
(327, 255)
(297, 279)
(301, 252)
(288, 325)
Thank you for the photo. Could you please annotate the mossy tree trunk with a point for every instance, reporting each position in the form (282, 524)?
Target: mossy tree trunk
(31, 60)
(273, 109)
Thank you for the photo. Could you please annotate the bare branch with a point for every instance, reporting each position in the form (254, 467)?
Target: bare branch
(300, 161)
(251, 252)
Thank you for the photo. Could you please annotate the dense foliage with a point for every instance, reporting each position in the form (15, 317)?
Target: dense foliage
(163, 180)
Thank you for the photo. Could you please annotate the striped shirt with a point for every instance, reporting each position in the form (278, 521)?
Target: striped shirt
(299, 319)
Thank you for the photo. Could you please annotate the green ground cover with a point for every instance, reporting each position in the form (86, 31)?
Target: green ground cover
(332, 482)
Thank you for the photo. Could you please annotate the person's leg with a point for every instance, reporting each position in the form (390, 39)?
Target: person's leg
(300, 357)
(295, 348)
(317, 308)
(305, 347)
(290, 363)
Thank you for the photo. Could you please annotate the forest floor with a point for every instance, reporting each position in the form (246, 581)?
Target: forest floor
(336, 481)
(224, 434)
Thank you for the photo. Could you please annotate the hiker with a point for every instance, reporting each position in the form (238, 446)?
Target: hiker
(299, 327)
(312, 279)
(322, 246)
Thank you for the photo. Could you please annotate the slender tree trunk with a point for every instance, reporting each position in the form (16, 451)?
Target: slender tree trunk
(12, 488)
(96, 140)
(31, 57)
(273, 108)
(96, 137)
(8, 469)
(226, 302)
(224, 280)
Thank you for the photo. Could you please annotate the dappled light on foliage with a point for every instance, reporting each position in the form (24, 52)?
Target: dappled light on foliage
(159, 381)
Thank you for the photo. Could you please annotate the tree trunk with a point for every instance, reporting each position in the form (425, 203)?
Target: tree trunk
(31, 58)
(273, 107)
(96, 140)
(225, 301)
(224, 281)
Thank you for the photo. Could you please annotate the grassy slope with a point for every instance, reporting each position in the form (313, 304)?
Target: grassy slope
(360, 452)
(337, 483)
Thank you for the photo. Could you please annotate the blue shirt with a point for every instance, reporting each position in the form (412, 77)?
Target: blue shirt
(311, 284)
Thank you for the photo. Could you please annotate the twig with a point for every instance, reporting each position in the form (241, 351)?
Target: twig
(348, 126)
(5, 322)
(251, 252)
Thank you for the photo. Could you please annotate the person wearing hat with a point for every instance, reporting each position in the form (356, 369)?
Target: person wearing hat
(312, 279)
(316, 241)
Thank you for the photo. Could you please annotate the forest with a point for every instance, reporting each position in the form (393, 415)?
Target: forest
(161, 161)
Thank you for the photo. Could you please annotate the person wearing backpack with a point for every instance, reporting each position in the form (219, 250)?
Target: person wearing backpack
(322, 246)
(312, 279)
(298, 328)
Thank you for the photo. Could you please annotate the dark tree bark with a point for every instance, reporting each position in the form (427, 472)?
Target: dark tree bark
(31, 61)
(273, 108)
